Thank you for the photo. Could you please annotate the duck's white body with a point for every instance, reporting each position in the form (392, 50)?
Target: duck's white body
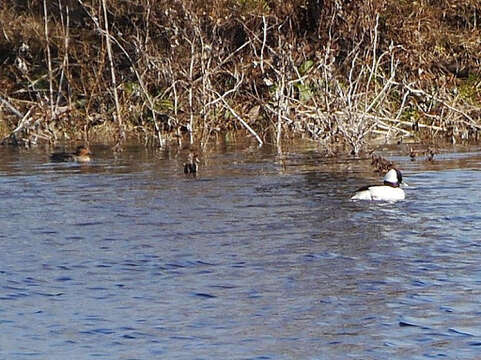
(390, 191)
(380, 192)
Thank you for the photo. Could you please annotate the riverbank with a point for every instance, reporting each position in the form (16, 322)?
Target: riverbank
(345, 76)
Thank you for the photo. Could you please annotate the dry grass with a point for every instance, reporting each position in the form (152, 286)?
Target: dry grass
(341, 74)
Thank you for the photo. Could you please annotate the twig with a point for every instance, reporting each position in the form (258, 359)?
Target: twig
(139, 78)
(374, 49)
(11, 107)
(383, 125)
(408, 123)
(49, 59)
(264, 39)
(191, 91)
(66, 27)
(259, 140)
(112, 72)
(422, 92)
(22, 124)
(233, 112)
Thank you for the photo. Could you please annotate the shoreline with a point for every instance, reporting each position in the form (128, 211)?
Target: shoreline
(343, 76)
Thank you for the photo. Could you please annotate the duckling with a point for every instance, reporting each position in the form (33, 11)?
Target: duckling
(191, 166)
(81, 155)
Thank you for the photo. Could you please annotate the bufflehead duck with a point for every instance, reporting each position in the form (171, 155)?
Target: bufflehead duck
(390, 191)
(81, 155)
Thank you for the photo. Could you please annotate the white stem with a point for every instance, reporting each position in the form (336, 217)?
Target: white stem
(49, 59)
(112, 71)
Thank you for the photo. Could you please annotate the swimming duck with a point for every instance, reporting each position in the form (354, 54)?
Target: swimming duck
(81, 155)
(430, 152)
(191, 166)
(390, 191)
(412, 154)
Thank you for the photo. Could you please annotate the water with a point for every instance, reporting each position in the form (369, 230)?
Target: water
(259, 257)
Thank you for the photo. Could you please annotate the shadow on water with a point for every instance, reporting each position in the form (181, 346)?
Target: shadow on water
(258, 257)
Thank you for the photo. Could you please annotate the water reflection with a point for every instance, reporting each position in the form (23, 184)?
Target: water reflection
(260, 256)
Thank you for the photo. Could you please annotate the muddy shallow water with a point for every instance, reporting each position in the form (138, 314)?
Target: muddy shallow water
(258, 257)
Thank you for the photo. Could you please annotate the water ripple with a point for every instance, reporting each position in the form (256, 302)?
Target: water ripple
(127, 259)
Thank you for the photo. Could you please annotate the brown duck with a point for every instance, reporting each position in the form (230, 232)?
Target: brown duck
(191, 166)
(81, 155)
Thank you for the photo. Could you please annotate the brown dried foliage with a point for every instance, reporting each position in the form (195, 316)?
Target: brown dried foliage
(340, 72)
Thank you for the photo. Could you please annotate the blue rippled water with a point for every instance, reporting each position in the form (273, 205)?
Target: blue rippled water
(259, 257)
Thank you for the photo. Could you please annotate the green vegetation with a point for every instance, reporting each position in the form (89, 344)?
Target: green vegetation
(339, 73)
